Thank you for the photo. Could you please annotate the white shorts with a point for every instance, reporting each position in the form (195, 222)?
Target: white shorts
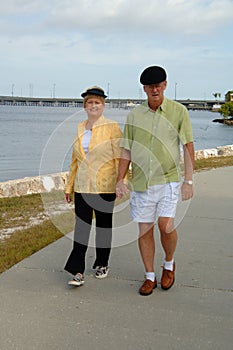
(156, 201)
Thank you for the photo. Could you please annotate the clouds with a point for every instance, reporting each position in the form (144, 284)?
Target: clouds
(20, 7)
(115, 36)
(167, 16)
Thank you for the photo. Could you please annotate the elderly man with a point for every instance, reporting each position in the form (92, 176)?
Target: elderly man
(152, 136)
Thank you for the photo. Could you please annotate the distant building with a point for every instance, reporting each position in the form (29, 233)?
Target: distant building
(216, 107)
(229, 96)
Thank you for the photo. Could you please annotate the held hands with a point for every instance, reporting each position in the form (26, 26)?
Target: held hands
(68, 197)
(121, 189)
(186, 191)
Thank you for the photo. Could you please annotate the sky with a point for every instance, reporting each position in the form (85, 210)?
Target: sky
(58, 48)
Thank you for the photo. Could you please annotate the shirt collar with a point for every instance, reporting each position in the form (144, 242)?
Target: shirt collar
(162, 107)
(99, 121)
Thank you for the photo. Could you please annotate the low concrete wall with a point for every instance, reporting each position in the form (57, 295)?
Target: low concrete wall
(215, 152)
(48, 183)
(30, 185)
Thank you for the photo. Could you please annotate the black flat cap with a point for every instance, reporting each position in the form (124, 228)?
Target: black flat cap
(95, 90)
(153, 75)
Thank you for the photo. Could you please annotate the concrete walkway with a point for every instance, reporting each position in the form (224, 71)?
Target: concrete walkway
(40, 311)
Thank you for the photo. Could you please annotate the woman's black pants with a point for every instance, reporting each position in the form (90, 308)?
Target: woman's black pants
(85, 203)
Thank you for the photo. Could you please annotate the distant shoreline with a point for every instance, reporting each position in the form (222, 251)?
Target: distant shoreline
(228, 121)
(191, 104)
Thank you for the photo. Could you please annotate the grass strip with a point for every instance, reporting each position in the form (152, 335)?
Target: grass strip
(24, 243)
(213, 162)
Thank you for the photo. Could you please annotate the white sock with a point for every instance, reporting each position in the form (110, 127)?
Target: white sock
(150, 276)
(168, 265)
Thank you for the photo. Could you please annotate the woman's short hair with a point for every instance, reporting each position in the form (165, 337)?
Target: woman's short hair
(87, 97)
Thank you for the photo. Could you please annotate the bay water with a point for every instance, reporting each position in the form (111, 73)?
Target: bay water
(38, 140)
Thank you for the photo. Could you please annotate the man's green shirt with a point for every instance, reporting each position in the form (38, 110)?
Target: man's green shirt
(154, 139)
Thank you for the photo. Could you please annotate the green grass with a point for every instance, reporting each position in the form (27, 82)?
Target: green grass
(24, 243)
(213, 162)
(18, 211)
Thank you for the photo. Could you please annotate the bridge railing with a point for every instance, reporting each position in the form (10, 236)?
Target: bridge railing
(114, 103)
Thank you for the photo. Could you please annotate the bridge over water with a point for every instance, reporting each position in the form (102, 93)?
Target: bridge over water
(78, 102)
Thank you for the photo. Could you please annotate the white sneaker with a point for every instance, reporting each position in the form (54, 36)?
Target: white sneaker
(102, 272)
(78, 280)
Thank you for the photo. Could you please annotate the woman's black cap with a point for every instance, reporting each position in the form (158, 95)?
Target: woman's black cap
(95, 90)
(153, 75)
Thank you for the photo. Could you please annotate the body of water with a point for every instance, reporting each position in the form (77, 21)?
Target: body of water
(38, 140)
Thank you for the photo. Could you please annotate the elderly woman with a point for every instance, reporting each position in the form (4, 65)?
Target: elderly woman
(92, 178)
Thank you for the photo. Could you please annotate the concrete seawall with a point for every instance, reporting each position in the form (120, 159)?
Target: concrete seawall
(30, 185)
(48, 183)
(221, 151)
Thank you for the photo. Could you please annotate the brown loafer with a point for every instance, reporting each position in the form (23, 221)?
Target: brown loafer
(147, 287)
(168, 278)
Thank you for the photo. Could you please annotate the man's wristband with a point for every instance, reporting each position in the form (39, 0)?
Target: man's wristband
(189, 182)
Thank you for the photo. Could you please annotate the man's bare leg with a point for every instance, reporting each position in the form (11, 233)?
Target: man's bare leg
(169, 241)
(168, 236)
(146, 244)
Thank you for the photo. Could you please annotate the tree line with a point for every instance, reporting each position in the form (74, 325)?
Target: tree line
(226, 110)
